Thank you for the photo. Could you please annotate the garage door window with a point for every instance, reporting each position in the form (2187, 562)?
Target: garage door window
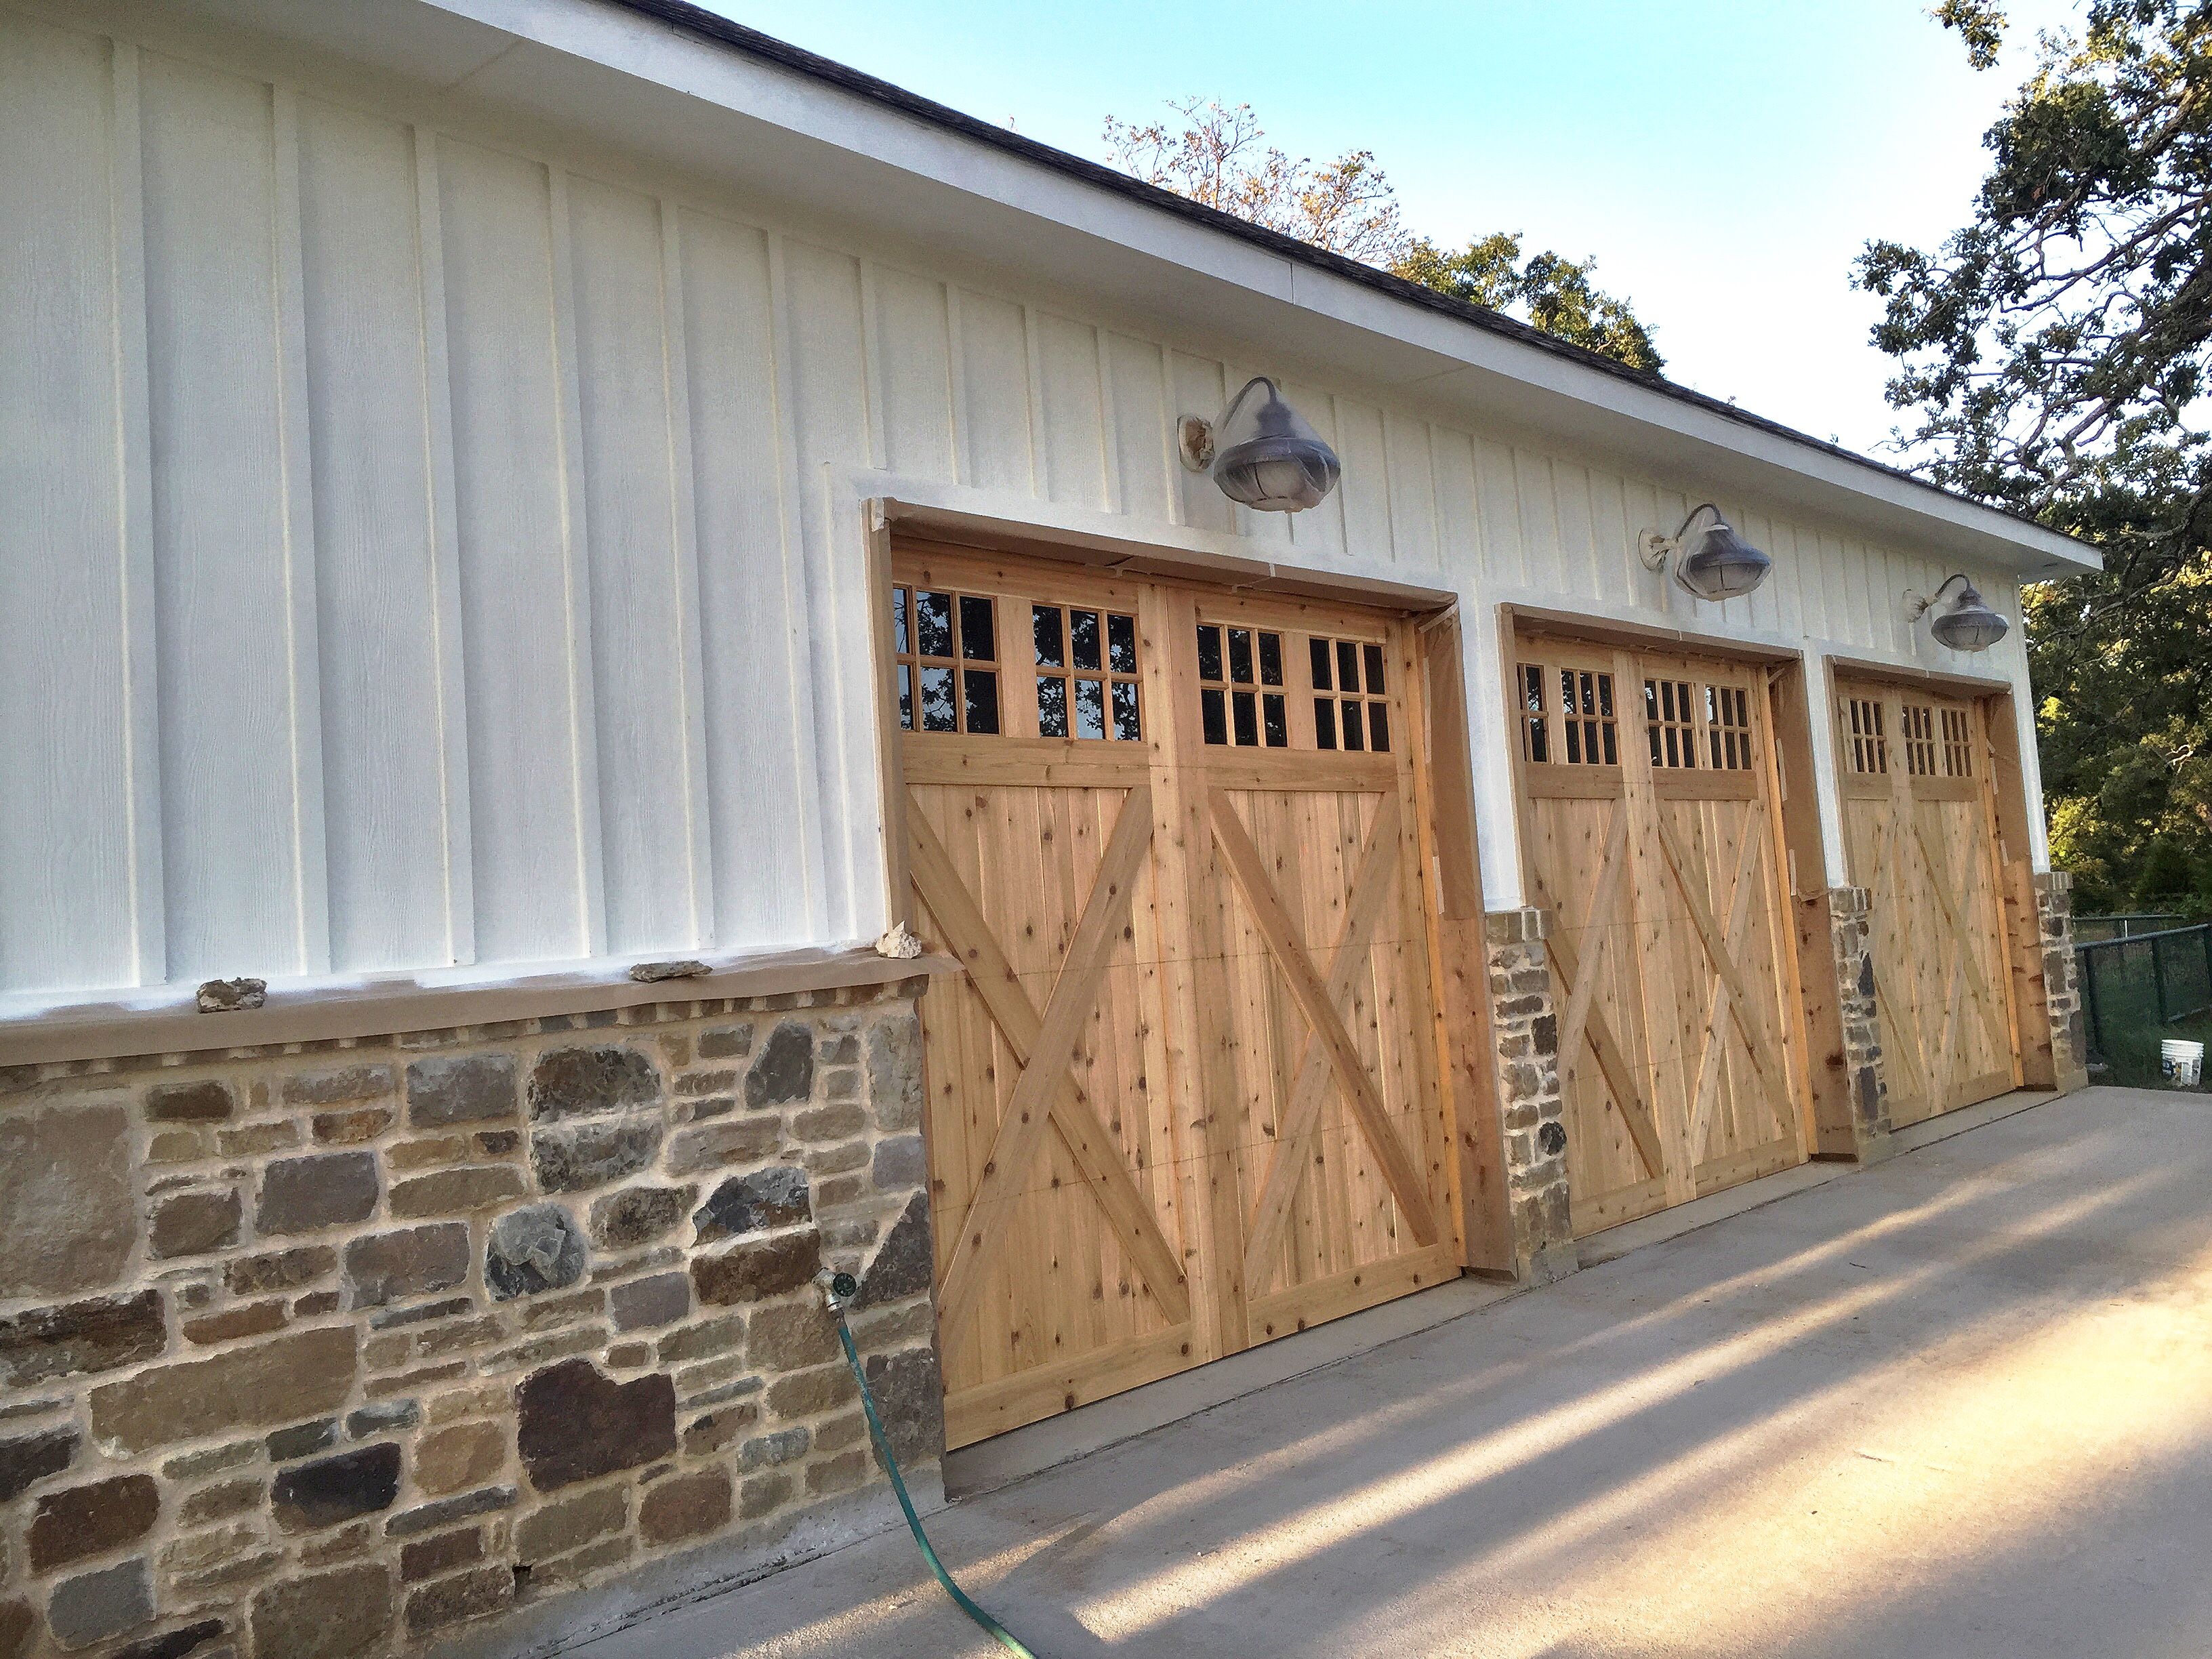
(1086, 673)
(948, 660)
(1240, 671)
(1870, 744)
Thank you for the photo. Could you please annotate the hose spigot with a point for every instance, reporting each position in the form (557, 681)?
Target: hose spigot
(837, 1290)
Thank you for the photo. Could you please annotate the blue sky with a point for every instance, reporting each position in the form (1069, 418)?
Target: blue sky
(1724, 160)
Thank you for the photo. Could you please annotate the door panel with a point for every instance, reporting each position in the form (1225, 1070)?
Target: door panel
(1649, 832)
(1184, 1098)
(1920, 830)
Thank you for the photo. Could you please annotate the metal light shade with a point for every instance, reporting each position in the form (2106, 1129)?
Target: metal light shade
(1969, 624)
(1265, 455)
(1719, 564)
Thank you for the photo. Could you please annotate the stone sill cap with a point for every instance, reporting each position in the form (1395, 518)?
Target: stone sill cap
(167, 1019)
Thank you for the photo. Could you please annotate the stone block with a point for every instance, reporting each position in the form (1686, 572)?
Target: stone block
(448, 1089)
(717, 1336)
(645, 1303)
(711, 1145)
(531, 1250)
(191, 1224)
(476, 1594)
(344, 1085)
(96, 1606)
(773, 1197)
(344, 1614)
(18, 1626)
(904, 1264)
(768, 1450)
(30, 1458)
(764, 1494)
(579, 1157)
(323, 1189)
(430, 1517)
(638, 1215)
(97, 1334)
(714, 1430)
(311, 1496)
(351, 1128)
(65, 1191)
(453, 1192)
(725, 1042)
(229, 1325)
(591, 1082)
(305, 1371)
(900, 1164)
(791, 1337)
(684, 1506)
(576, 1424)
(460, 1457)
(909, 1394)
(302, 1439)
(571, 1523)
(171, 1644)
(784, 1069)
(208, 1101)
(835, 1474)
(220, 1502)
(411, 1262)
(757, 1268)
(895, 1074)
(279, 1270)
(809, 1394)
(84, 1521)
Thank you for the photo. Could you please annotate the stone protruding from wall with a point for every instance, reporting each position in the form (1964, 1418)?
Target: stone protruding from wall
(1850, 926)
(1526, 1029)
(2062, 986)
(336, 1349)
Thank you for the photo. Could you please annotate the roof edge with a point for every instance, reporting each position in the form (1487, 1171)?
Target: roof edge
(683, 15)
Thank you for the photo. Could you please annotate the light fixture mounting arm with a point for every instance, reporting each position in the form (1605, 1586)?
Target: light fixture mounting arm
(1655, 547)
(1923, 605)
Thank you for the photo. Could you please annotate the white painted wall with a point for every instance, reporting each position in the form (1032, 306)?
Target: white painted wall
(419, 550)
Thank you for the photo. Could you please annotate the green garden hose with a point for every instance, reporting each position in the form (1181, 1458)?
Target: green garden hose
(837, 1292)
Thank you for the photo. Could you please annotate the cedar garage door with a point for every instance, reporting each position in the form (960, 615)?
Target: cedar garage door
(1185, 1097)
(1650, 831)
(1921, 825)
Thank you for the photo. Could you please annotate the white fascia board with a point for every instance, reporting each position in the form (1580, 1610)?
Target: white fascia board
(779, 132)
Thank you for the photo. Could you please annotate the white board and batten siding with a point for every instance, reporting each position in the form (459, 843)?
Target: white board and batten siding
(414, 550)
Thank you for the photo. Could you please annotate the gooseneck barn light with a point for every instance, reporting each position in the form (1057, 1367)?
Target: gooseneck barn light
(1261, 452)
(1711, 560)
(1969, 624)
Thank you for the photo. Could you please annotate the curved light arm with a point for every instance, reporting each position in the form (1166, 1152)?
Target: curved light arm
(1655, 548)
(1921, 606)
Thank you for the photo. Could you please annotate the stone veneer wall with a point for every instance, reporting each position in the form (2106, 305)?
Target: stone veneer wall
(2062, 986)
(325, 1352)
(1526, 1029)
(1850, 926)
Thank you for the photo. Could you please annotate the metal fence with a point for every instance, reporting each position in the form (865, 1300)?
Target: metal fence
(2138, 988)
(2095, 930)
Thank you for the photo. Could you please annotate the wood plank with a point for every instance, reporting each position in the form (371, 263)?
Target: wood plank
(1405, 1179)
(1286, 1313)
(1309, 1092)
(1951, 918)
(979, 1412)
(1702, 1095)
(1613, 866)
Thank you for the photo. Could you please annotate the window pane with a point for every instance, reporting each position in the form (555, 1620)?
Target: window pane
(1214, 715)
(898, 621)
(1374, 653)
(1045, 624)
(1121, 644)
(1532, 688)
(1090, 709)
(1652, 731)
(1271, 659)
(979, 636)
(933, 616)
(1716, 746)
(1605, 695)
(1246, 707)
(1125, 711)
(1378, 728)
(1052, 707)
(1240, 655)
(1324, 720)
(1351, 732)
(1574, 735)
(906, 698)
(1275, 719)
(938, 713)
(1083, 627)
(1209, 654)
(1612, 756)
(1321, 674)
(1540, 743)
(982, 688)
(1347, 668)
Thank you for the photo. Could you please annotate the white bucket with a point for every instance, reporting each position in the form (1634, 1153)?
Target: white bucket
(2181, 1062)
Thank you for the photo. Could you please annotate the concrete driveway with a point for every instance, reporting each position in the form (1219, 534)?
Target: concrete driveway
(1956, 1406)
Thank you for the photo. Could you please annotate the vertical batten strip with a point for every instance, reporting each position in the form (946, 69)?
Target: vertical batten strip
(310, 860)
(135, 481)
(690, 597)
(583, 723)
(871, 371)
(956, 377)
(1109, 427)
(445, 545)
(1171, 424)
(1033, 379)
(799, 632)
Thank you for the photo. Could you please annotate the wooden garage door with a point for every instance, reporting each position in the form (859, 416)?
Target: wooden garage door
(1650, 831)
(1184, 1100)
(1921, 827)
